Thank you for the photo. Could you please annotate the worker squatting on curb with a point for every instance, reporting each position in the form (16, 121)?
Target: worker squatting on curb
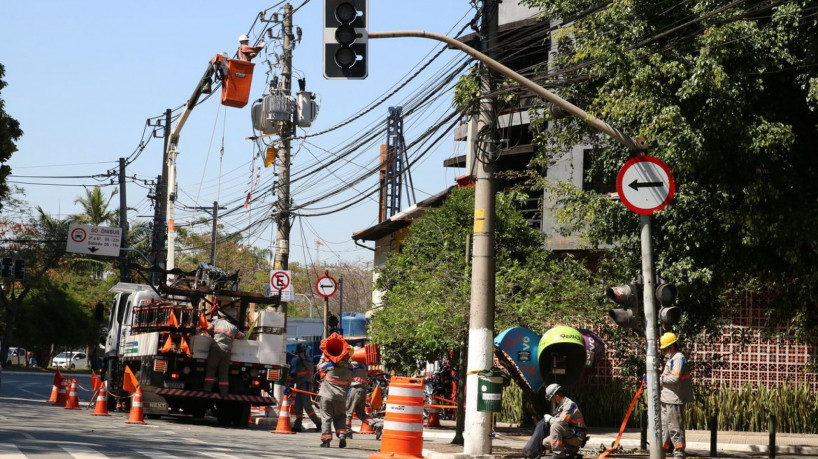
(565, 426)
(356, 403)
(677, 389)
(333, 394)
(218, 357)
(302, 371)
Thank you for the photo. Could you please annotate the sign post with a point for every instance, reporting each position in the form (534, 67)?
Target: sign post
(326, 287)
(645, 185)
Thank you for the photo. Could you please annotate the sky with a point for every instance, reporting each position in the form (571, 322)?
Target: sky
(83, 78)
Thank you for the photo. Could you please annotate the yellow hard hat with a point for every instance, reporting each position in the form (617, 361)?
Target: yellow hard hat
(667, 339)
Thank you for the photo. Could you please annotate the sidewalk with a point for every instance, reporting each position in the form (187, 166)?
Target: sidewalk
(509, 442)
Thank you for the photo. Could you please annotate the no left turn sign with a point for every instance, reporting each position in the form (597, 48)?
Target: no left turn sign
(326, 286)
(645, 185)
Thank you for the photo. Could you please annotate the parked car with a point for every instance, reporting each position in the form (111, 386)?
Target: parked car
(16, 356)
(71, 359)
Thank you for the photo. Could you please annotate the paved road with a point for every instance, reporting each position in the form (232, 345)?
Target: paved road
(31, 428)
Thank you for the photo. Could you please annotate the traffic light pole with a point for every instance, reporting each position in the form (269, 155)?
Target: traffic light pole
(481, 321)
(651, 332)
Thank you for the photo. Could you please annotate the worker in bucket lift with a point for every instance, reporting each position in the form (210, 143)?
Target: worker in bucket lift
(224, 331)
(565, 428)
(333, 394)
(358, 387)
(247, 52)
(302, 371)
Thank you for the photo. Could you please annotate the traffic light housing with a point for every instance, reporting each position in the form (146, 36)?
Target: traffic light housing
(19, 269)
(666, 294)
(345, 39)
(629, 297)
(6, 268)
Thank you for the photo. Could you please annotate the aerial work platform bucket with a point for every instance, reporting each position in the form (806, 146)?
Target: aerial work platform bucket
(236, 86)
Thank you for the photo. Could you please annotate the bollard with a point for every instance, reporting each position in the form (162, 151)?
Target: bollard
(643, 440)
(714, 427)
(772, 436)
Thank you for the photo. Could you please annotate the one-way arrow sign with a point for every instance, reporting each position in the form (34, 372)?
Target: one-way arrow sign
(326, 286)
(645, 185)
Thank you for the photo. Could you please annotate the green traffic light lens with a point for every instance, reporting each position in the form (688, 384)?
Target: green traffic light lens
(346, 13)
(345, 35)
(345, 57)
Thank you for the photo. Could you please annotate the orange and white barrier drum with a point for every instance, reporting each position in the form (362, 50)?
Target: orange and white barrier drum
(403, 425)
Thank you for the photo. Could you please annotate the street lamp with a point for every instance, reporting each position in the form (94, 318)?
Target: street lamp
(308, 299)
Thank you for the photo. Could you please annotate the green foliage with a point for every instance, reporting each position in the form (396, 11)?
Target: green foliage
(512, 405)
(730, 101)
(427, 284)
(10, 132)
(95, 209)
(466, 91)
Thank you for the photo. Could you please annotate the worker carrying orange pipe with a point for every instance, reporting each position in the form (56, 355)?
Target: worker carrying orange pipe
(247, 52)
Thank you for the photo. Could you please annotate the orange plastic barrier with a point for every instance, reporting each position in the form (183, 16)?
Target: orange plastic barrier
(403, 425)
(236, 86)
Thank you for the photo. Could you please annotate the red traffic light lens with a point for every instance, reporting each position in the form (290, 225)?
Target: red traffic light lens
(346, 13)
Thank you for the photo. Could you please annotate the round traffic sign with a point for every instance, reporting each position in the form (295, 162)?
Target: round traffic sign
(326, 286)
(78, 235)
(280, 280)
(645, 185)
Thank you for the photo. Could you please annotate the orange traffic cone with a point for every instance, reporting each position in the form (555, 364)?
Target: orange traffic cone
(434, 418)
(283, 424)
(366, 428)
(62, 393)
(73, 402)
(101, 406)
(55, 388)
(137, 413)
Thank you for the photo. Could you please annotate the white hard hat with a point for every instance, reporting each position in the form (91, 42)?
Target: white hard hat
(244, 38)
(551, 390)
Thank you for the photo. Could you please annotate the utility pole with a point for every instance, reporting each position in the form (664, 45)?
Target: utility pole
(123, 223)
(282, 217)
(160, 229)
(214, 212)
(481, 311)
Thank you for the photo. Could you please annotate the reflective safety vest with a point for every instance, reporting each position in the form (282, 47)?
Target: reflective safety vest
(568, 413)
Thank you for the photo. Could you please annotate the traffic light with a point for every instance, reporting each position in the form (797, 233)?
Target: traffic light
(666, 294)
(5, 268)
(630, 297)
(345, 38)
(19, 269)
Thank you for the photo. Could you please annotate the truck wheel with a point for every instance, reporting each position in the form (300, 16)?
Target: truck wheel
(242, 415)
(225, 414)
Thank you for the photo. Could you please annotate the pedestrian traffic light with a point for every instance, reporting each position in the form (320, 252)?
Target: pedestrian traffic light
(345, 39)
(19, 269)
(629, 296)
(669, 315)
(5, 268)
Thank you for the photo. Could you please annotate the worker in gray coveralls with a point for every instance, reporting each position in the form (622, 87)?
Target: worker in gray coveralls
(224, 331)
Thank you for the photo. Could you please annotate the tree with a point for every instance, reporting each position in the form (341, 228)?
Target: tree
(10, 132)
(728, 94)
(95, 209)
(427, 285)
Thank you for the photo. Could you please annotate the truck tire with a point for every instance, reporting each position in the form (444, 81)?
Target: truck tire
(225, 414)
(242, 415)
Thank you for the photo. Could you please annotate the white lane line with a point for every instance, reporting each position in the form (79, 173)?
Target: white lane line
(10, 452)
(83, 452)
(36, 394)
(27, 435)
(217, 455)
(155, 453)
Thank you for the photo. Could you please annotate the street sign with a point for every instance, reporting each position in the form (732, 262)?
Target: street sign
(645, 185)
(326, 286)
(281, 281)
(94, 240)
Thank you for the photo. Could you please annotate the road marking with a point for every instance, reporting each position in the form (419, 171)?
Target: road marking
(83, 452)
(155, 454)
(217, 455)
(27, 435)
(36, 394)
(10, 452)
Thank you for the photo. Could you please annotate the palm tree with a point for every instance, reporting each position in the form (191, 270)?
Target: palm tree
(95, 208)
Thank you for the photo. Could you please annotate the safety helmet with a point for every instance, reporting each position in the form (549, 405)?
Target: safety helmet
(552, 390)
(244, 38)
(667, 339)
